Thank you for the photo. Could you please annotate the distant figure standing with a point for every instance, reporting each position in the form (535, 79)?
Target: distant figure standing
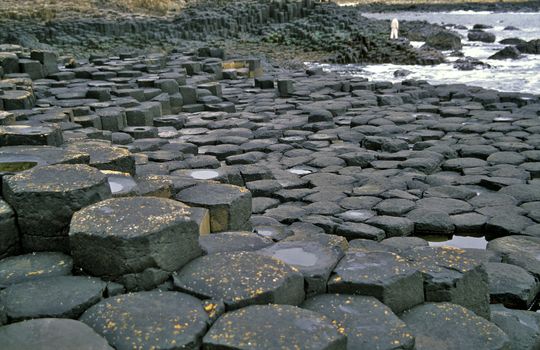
(395, 29)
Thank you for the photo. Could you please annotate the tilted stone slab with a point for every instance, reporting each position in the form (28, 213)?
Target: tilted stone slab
(274, 327)
(367, 323)
(17, 135)
(452, 274)
(383, 275)
(45, 198)
(51, 334)
(29, 267)
(229, 205)
(315, 261)
(240, 279)
(122, 236)
(453, 327)
(149, 320)
(60, 296)
(523, 251)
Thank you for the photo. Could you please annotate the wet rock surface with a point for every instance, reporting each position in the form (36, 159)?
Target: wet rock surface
(241, 183)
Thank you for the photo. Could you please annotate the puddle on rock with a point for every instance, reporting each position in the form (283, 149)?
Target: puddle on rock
(298, 171)
(296, 256)
(475, 242)
(13, 167)
(204, 174)
(120, 184)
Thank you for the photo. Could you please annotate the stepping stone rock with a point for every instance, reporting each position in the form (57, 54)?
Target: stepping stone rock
(232, 242)
(149, 320)
(229, 205)
(452, 327)
(523, 251)
(453, 275)
(431, 222)
(51, 334)
(127, 236)
(522, 327)
(367, 323)
(522, 192)
(393, 226)
(274, 327)
(313, 260)
(45, 198)
(106, 157)
(385, 276)
(9, 232)
(60, 296)
(17, 135)
(240, 279)
(29, 267)
(511, 285)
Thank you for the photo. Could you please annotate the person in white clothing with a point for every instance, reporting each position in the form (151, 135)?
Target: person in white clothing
(395, 29)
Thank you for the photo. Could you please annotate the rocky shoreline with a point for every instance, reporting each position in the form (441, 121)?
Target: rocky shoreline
(194, 200)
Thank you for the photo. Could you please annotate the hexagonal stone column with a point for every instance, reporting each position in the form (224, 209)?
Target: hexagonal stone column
(453, 327)
(149, 320)
(452, 274)
(385, 276)
(240, 279)
(16, 135)
(51, 334)
(9, 232)
(45, 198)
(274, 327)
(523, 251)
(103, 156)
(229, 205)
(60, 296)
(367, 323)
(138, 241)
(29, 267)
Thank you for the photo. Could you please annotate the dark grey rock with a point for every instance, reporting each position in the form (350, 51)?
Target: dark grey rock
(29, 267)
(51, 334)
(45, 198)
(452, 327)
(232, 242)
(522, 327)
(240, 279)
(274, 327)
(159, 320)
(60, 296)
(385, 276)
(511, 285)
(143, 232)
(9, 232)
(522, 251)
(367, 323)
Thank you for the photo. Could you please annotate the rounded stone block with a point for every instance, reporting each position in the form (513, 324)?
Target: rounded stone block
(51, 334)
(511, 285)
(383, 275)
(122, 236)
(229, 205)
(45, 198)
(523, 251)
(18, 99)
(149, 320)
(106, 157)
(452, 327)
(367, 323)
(29, 267)
(240, 279)
(452, 274)
(9, 232)
(60, 296)
(16, 135)
(274, 327)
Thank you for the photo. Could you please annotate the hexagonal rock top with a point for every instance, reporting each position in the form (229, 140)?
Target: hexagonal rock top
(385, 276)
(368, 323)
(523, 251)
(103, 156)
(452, 274)
(25, 268)
(16, 135)
(45, 198)
(51, 334)
(240, 279)
(149, 320)
(229, 205)
(274, 327)
(122, 236)
(452, 327)
(60, 296)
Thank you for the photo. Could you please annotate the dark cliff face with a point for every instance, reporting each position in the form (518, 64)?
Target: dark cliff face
(341, 32)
